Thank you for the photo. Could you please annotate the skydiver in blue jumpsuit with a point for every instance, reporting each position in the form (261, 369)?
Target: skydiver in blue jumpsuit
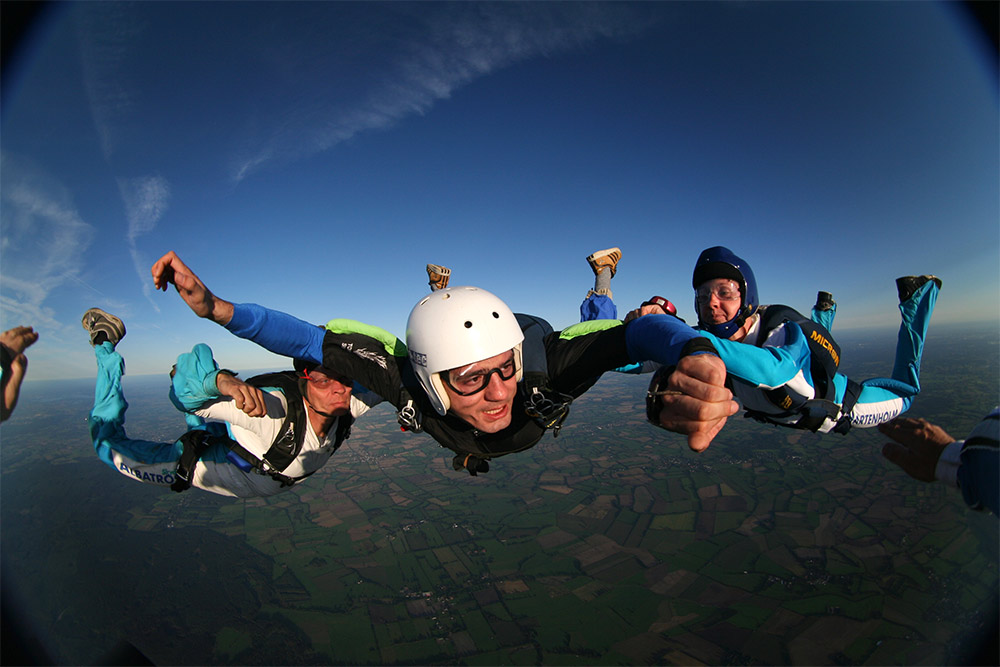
(253, 418)
(729, 314)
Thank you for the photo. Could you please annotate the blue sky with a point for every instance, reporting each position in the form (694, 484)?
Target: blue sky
(313, 157)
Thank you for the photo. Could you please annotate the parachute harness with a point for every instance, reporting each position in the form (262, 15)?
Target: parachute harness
(548, 413)
(409, 417)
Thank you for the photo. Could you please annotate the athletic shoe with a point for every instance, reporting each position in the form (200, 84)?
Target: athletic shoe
(438, 276)
(907, 285)
(824, 301)
(605, 259)
(103, 327)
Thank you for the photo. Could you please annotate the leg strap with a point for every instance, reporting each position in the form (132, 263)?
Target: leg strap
(194, 444)
(851, 395)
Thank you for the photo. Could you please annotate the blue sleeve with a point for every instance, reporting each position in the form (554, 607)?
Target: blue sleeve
(659, 338)
(768, 367)
(980, 468)
(277, 332)
(193, 383)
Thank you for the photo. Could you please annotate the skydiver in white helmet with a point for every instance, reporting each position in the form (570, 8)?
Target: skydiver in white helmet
(479, 379)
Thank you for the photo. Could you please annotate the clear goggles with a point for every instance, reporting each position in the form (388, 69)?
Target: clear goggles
(468, 381)
(727, 291)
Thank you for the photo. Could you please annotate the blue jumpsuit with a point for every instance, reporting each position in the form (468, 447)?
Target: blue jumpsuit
(824, 318)
(194, 391)
(784, 361)
(598, 307)
(601, 307)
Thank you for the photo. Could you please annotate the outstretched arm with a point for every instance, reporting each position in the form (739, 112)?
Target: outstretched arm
(13, 375)
(273, 330)
(926, 452)
(917, 446)
(170, 270)
(13, 343)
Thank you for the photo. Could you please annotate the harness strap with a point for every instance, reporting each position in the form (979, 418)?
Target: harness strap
(285, 479)
(815, 413)
(196, 442)
(288, 443)
(343, 432)
(257, 464)
(851, 395)
(548, 413)
(344, 423)
(408, 416)
(470, 462)
(811, 414)
(545, 406)
(655, 393)
(193, 445)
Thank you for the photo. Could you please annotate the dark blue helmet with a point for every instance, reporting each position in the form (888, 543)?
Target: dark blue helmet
(720, 262)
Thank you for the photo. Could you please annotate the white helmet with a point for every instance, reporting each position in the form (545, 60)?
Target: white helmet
(455, 327)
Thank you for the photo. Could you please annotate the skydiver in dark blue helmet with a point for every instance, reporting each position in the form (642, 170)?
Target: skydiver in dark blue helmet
(783, 366)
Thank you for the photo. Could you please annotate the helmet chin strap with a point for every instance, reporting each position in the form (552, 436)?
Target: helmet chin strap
(740, 320)
(305, 397)
(319, 412)
(744, 315)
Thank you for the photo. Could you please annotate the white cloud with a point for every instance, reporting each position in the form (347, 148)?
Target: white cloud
(108, 31)
(43, 241)
(454, 45)
(24, 306)
(145, 201)
(110, 39)
(322, 72)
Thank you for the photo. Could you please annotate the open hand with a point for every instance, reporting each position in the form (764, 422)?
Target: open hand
(917, 446)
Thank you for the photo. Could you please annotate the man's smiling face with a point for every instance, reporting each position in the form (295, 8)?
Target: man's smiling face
(482, 394)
